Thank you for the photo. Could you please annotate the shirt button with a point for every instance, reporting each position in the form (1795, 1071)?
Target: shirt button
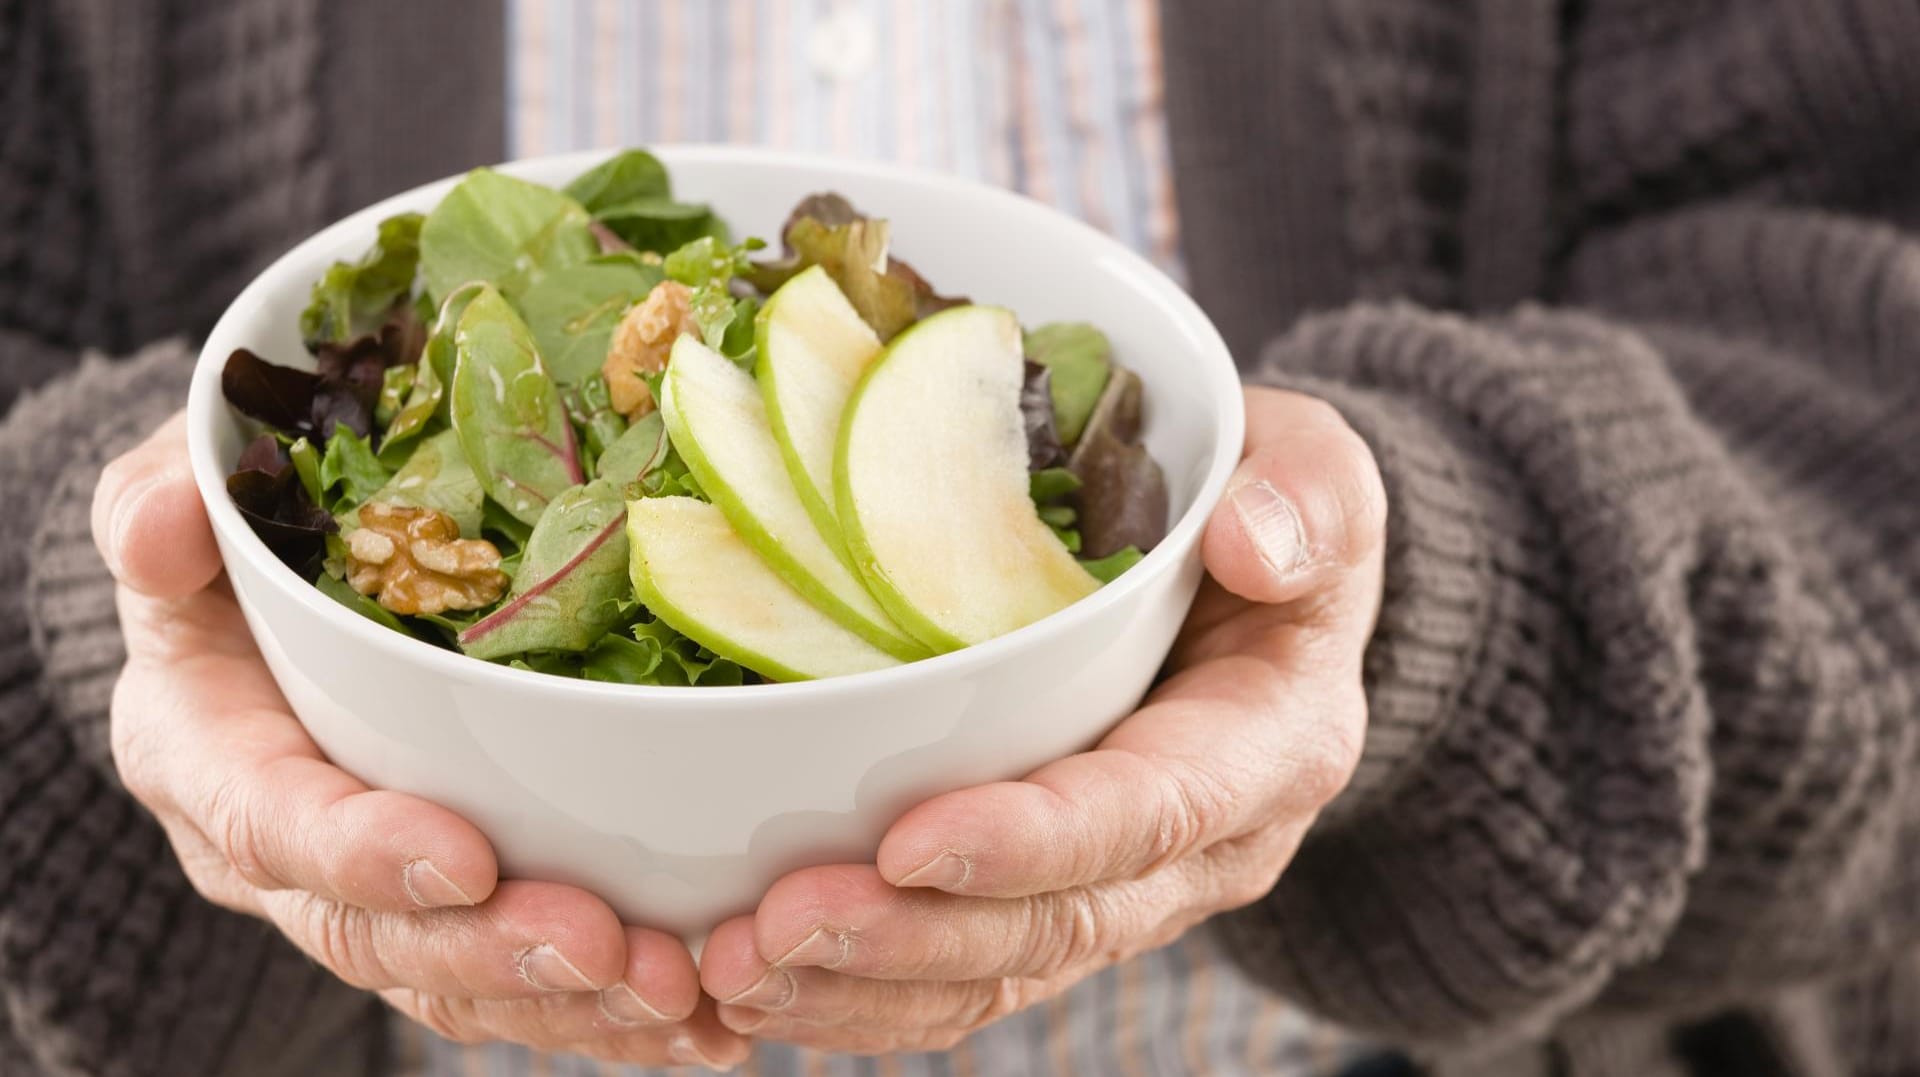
(842, 45)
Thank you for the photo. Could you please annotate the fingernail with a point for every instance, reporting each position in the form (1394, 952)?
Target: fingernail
(740, 1019)
(430, 889)
(683, 1050)
(622, 1005)
(772, 991)
(1273, 525)
(547, 969)
(824, 948)
(948, 871)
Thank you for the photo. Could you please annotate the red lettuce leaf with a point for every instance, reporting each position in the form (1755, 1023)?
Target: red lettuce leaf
(1122, 500)
(1036, 408)
(275, 504)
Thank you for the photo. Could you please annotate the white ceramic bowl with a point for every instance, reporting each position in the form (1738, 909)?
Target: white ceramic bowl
(680, 806)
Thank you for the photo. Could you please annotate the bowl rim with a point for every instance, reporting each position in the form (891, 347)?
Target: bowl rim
(1215, 371)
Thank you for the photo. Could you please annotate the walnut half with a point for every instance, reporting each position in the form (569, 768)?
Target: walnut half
(413, 560)
(643, 342)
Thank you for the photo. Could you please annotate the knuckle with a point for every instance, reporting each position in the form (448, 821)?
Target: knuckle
(231, 827)
(1328, 761)
(340, 937)
(1001, 998)
(209, 875)
(1192, 810)
(1064, 932)
(437, 1013)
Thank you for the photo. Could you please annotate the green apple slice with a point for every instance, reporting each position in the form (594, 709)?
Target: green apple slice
(718, 423)
(694, 572)
(813, 347)
(931, 485)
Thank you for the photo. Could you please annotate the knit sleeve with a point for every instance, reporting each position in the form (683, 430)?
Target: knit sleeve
(1642, 694)
(110, 963)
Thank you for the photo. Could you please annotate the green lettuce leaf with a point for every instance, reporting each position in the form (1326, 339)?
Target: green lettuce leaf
(662, 224)
(353, 298)
(571, 584)
(338, 589)
(1108, 569)
(573, 311)
(649, 653)
(590, 407)
(508, 412)
(1080, 360)
(349, 464)
(436, 475)
(636, 453)
(502, 230)
(625, 177)
(427, 396)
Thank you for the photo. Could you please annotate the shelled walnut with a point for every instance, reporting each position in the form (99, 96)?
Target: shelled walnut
(413, 561)
(642, 343)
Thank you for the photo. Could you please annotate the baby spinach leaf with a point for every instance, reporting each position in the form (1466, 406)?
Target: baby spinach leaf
(1080, 360)
(426, 398)
(573, 310)
(436, 475)
(495, 228)
(590, 407)
(635, 454)
(508, 412)
(349, 463)
(662, 224)
(353, 298)
(1107, 569)
(571, 582)
(507, 532)
(624, 177)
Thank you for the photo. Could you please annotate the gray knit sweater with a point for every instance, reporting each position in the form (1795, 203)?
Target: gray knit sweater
(1618, 292)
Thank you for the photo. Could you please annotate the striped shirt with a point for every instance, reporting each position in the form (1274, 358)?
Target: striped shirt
(1059, 99)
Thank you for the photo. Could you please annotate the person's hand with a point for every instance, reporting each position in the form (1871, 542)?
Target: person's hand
(987, 900)
(390, 892)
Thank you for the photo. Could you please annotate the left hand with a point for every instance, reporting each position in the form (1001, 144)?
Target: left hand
(990, 899)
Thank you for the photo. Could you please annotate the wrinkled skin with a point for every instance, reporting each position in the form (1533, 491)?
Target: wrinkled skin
(982, 901)
(988, 900)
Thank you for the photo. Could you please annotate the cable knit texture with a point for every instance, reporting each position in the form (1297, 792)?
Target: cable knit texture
(153, 156)
(1639, 796)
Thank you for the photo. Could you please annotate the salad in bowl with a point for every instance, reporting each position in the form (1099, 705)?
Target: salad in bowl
(675, 562)
(582, 431)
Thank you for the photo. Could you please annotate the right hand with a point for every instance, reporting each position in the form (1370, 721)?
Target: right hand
(391, 893)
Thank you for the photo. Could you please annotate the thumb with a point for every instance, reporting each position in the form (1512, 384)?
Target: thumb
(1304, 509)
(148, 519)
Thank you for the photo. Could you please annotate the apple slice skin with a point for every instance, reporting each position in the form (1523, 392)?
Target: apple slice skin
(748, 523)
(693, 571)
(807, 394)
(1036, 576)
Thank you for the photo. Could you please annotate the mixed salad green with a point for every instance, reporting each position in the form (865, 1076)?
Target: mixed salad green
(584, 432)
